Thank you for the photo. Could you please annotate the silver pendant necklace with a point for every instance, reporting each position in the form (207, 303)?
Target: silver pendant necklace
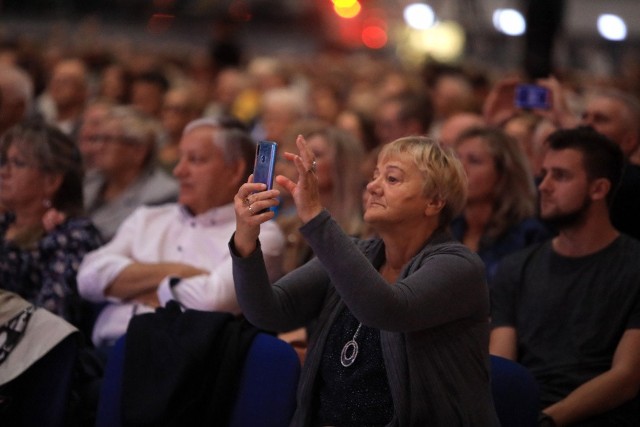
(350, 350)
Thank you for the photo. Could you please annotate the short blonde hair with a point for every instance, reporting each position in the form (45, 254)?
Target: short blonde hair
(443, 174)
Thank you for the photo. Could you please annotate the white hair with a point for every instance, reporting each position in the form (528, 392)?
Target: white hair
(16, 84)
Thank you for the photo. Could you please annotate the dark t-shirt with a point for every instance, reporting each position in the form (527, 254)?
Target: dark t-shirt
(625, 209)
(570, 313)
(516, 237)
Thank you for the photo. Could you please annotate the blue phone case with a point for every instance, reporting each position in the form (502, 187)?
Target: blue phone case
(263, 168)
(530, 96)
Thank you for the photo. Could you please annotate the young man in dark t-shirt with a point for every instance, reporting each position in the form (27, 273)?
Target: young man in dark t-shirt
(569, 309)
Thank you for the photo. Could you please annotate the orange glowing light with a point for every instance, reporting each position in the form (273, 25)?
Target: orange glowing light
(348, 12)
(344, 3)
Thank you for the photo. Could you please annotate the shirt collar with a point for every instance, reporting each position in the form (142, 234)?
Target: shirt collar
(217, 215)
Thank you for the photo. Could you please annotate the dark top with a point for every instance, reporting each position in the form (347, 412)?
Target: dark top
(182, 368)
(625, 210)
(569, 313)
(433, 321)
(517, 237)
(356, 395)
(45, 275)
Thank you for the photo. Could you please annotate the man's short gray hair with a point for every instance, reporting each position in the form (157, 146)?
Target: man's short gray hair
(230, 136)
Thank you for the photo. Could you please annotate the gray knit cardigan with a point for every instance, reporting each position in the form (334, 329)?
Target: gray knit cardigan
(433, 322)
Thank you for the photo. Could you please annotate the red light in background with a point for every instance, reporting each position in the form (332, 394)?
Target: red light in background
(374, 37)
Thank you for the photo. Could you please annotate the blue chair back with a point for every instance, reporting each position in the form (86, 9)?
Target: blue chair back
(267, 390)
(515, 393)
(109, 412)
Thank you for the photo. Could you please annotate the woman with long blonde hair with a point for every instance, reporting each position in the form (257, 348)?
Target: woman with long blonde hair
(499, 216)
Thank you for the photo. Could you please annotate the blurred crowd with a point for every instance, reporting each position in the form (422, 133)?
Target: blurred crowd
(125, 111)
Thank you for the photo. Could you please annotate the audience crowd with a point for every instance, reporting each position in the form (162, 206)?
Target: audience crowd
(140, 211)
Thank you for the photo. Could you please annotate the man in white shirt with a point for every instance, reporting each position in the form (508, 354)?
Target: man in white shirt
(179, 251)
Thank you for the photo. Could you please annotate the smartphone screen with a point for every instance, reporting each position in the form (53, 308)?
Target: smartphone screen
(531, 97)
(263, 168)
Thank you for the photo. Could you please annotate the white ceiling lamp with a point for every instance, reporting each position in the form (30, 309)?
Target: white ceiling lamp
(509, 22)
(419, 16)
(612, 27)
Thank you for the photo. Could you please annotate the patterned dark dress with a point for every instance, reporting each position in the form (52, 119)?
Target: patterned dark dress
(45, 275)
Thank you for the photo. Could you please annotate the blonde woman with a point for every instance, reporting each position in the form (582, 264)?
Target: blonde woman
(499, 216)
(401, 337)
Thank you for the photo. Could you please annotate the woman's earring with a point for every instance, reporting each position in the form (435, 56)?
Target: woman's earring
(46, 203)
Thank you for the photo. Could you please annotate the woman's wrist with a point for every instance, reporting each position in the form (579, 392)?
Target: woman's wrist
(243, 247)
(308, 215)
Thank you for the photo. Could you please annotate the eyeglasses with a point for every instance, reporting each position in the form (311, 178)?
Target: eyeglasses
(14, 163)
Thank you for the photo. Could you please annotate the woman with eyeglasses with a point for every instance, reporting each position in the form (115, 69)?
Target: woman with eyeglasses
(127, 174)
(43, 233)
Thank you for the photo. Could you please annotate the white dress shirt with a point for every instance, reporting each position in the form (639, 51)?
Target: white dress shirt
(168, 233)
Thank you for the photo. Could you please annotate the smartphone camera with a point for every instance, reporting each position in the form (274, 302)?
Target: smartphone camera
(263, 169)
(531, 97)
(264, 165)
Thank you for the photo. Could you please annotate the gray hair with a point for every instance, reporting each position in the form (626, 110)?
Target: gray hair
(231, 137)
(16, 84)
(52, 152)
(630, 103)
(139, 128)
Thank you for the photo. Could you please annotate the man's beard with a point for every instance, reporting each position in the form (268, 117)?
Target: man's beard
(562, 220)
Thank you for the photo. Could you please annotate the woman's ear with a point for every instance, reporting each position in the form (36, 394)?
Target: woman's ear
(52, 182)
(434, 206)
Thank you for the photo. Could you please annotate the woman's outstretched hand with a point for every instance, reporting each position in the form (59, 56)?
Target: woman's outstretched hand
(252, 204)
(304, 192)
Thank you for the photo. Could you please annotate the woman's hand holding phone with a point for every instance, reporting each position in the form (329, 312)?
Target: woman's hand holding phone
(251, 204)
(253, 200)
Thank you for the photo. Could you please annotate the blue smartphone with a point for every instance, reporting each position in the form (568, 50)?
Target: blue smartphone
(263, 168)
(529, 96)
